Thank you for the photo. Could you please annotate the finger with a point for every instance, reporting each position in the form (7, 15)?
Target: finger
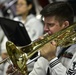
(54, 43)
(10, 65)
(10, 69)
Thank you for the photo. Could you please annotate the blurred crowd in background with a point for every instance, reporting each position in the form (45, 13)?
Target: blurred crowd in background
(8, 7)
(8, 10)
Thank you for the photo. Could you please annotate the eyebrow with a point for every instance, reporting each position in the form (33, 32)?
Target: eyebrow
(50, 24)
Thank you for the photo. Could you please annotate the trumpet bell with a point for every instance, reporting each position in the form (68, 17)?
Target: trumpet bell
(18, 58)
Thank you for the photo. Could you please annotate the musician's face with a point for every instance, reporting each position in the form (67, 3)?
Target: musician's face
(51, 25)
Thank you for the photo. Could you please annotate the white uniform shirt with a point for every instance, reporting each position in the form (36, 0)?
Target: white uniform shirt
(40, 67)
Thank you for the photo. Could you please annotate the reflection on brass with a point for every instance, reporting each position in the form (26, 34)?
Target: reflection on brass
(20, 55)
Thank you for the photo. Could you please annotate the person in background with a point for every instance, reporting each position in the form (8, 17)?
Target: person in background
(55, 60)
(26, 14)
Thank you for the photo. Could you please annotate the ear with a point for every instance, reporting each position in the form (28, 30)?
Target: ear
(29, 7)
(65, 24)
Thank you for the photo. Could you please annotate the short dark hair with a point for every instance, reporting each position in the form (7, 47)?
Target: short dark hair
(32, 11)
(61, 10)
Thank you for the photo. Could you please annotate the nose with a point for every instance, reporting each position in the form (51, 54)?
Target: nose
(46, 29)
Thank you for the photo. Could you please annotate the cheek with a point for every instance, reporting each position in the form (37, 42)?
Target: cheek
(52, 30)
(21, 9)
(55, 29)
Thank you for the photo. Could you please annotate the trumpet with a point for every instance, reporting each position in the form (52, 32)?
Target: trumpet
(20, 55)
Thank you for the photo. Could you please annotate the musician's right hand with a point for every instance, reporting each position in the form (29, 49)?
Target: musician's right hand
(48, 51)
(12, 70)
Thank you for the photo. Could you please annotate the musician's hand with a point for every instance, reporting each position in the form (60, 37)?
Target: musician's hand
(12, 70)
(48, 50)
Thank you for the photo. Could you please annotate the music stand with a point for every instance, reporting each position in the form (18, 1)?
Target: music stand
(15, 32)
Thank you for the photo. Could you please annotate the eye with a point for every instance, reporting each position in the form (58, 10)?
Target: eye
(50, 24)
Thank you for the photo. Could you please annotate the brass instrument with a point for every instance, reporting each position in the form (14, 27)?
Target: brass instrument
(20, 55)
(5, 60)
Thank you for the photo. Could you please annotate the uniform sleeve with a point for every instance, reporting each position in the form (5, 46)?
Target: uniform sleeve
(56, 68)
(40, 67)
